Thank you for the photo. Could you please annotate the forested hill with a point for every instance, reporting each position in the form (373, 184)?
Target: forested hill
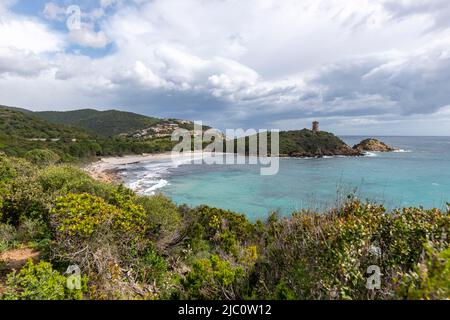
(26, 125)
(307, 143)
(105, 123)
(22, 132)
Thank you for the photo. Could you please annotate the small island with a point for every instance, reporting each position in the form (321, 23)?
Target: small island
(373, 145)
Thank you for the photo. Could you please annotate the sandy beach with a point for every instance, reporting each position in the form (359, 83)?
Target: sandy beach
(106, 169)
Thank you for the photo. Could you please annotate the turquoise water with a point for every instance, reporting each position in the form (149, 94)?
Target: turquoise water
(419, 175)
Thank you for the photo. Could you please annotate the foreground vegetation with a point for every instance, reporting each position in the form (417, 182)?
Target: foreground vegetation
(134, 247)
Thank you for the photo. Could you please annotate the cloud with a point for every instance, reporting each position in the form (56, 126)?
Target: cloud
(108, 3)
(54, 12)
(437, 11)
(86, 37)
(29, 34)
(83, 34)
(20, 63)
(243, 62)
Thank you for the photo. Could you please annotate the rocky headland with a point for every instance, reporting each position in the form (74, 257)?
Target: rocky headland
(373, 145)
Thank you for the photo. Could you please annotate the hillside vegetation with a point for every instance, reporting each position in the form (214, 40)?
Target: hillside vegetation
(306, 143)
(27, 125)
(140, 247)
(104, 123)
(22, 132)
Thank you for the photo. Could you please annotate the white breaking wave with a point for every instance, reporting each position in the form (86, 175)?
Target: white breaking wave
(160, 184)
(402, 151)
(151, 178)
(370, 154)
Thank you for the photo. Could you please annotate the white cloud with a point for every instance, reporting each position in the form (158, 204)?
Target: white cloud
(21, 63)
(54, 12)
(269, 59)
(86, 37)
(108, 3)
(28, 34)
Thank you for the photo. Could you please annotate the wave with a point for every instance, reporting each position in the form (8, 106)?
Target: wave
(159, 185)
(147, 178)
(402, 151)
(370, 154)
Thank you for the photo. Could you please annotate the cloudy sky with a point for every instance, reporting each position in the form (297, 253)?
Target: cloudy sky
(357, 66)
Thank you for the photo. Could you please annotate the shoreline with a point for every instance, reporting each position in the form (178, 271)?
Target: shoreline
(107, 168)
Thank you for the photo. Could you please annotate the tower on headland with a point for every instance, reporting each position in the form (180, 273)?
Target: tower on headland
(315, 126)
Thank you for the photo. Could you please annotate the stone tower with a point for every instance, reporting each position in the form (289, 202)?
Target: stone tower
(315, 126)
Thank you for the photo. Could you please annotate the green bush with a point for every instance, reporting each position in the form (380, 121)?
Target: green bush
(225, 230)
(61, 180)
(79, 216)
(22, 199)
(11, 168)
(8, 237)
(430, 279)
(163, 217)
(7, 171)
(151, 267)
(319, 256)
(40, 282)
(103, 239)
(212, 279)
(33, 231)
(42, 157)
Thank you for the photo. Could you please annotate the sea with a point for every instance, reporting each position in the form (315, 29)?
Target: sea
(418, 174)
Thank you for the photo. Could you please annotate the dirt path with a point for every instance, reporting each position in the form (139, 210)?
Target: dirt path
(16, 259)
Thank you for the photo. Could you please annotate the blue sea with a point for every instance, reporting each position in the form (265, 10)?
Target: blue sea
(417, 175)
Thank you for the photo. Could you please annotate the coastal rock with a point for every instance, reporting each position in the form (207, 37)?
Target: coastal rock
(373, 145)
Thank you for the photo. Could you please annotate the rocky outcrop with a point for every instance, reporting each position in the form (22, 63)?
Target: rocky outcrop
(373, 145)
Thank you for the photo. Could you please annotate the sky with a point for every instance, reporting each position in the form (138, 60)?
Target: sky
(360, 67)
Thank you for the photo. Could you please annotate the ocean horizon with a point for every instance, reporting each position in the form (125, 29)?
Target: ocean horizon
(416, 175)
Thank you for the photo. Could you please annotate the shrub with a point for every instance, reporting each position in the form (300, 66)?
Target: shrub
(61, 180)
(224, 229)
(42, 157)
(162, 216)
(12, 173)
(40, 282)
(79, 216)
(22, 199)
(430, 279)
(8, 236)
(7, 171)
(319, 256)
(11, 168)
(101, 238)
(32, 230)
(132, 217)
(212, 279)
(151, 267)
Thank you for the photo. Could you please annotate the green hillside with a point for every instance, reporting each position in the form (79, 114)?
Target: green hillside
(105, 123)
(306, 143)
(28, 126)
(22, 132)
